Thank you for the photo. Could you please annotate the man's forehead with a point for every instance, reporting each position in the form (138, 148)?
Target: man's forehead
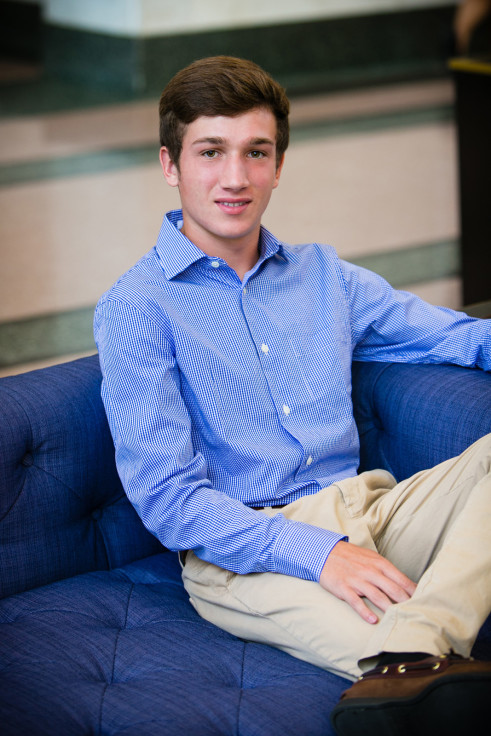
(258, 125)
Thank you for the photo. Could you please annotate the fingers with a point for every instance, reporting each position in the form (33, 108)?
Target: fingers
(382, 593)
(396, 586)
(357, 575)
(358, 604)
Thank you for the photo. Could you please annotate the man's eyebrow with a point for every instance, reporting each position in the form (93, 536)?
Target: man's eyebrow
(261, 142)
(209, 139)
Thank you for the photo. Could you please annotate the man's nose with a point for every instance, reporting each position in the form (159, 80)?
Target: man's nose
(234, 173)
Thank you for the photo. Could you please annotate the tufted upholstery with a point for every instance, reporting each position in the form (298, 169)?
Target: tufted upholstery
(62, 508)
(123, 652)
(96, 633)
(412, 417)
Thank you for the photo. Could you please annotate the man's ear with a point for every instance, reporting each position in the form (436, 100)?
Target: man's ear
(171, 172)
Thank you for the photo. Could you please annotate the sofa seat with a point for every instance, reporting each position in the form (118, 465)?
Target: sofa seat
(122, 652)
(97, 635)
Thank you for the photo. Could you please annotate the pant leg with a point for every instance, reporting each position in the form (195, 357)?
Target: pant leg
(436, 527)
(295, 615)
(439, 520)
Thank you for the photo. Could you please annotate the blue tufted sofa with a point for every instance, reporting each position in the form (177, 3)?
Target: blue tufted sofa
(96, 633)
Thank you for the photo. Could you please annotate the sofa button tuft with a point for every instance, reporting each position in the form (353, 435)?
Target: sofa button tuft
(27, 460)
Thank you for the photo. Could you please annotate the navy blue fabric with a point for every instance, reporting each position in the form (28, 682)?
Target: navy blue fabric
(124, 652)
(412, 417)
(118, 650)
(62, 508)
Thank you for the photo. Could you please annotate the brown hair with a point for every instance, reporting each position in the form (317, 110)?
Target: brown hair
(220, 85)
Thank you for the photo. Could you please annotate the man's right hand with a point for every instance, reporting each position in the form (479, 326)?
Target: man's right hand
(353, 573)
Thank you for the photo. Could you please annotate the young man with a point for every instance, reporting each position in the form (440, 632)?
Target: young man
(226, 358)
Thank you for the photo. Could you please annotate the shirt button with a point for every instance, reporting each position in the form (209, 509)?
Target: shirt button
(264, 348)
(286, 409)
(215, 264)
(309, 460)
(244, 290)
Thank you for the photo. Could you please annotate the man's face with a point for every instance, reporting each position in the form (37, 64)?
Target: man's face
(227, 172)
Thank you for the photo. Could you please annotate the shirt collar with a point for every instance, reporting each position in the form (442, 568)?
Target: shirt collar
(176, 252)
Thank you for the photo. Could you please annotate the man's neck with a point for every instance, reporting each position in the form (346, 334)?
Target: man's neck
(240, 262)
(241, 254)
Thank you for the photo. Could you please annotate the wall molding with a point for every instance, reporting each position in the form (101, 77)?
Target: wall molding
(307, 56)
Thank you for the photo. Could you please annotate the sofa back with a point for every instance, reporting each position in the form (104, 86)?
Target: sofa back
(63, 510)
(62, 507)
(412, 417)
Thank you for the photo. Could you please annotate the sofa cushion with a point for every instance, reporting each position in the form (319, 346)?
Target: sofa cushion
(62, 508)
(412, 417)
(124, 652)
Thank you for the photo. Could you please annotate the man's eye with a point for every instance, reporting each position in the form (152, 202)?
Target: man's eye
(257, 154)
(210, 154)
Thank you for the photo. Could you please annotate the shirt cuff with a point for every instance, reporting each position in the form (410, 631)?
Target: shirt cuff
(302, 550)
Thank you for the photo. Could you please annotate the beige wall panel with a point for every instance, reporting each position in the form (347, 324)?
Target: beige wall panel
(370, 192)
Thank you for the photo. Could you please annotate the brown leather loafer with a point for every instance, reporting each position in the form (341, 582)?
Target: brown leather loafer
(445, 695)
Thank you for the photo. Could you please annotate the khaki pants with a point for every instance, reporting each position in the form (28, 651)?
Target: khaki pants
(435, 527)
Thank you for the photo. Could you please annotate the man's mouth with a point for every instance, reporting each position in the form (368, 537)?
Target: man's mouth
(233, 204)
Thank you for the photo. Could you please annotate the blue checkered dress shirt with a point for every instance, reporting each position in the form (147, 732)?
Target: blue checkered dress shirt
(224, 394)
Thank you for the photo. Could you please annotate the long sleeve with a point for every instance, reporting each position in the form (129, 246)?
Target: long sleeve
(398, 326)
(165, 478)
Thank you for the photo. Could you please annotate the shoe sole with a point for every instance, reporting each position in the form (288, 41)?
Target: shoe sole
(454, 706)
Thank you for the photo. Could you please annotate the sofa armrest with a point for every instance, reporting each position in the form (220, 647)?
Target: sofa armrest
(412, 417)
(63, 510)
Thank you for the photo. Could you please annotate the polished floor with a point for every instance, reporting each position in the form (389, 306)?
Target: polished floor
(372, 172)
